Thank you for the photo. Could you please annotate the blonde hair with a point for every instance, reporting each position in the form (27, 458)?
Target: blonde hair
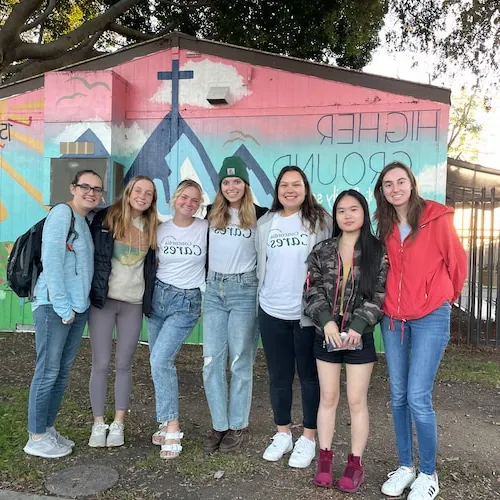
(118, 218)
(219, 216)
(186, 183)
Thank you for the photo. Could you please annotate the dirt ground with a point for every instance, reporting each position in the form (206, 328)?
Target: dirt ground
(468, 417)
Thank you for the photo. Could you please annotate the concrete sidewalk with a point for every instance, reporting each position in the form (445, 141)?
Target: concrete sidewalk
(14, 495)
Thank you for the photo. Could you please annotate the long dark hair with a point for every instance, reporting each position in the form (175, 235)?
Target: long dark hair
(370, 246)
(386, 215)
(312, 211)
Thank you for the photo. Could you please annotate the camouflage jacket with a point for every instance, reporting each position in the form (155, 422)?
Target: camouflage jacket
(322, 290)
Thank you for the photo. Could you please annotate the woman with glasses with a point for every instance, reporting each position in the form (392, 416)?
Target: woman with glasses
(60, 311)
(122, 288)
(176, 308)
(427, 270)
(285, 237)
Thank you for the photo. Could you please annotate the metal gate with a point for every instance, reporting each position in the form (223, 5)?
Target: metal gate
(475, 320)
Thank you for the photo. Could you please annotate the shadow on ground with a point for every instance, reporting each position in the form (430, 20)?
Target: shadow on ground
(468, 415)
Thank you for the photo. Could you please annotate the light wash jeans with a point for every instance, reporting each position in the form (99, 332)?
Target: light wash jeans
(413, 360)
(56, 349)
(174, 314)
(229, 325)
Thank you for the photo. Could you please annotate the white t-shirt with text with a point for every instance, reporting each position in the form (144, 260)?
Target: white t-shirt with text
(182, 253)
(232, 249)
(287, 250)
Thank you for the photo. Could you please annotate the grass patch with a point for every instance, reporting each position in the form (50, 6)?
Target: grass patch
(194, 463)
(151, 461)
(470, 366)
(13, 435)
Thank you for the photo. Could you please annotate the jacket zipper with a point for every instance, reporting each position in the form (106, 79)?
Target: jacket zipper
(400, 276)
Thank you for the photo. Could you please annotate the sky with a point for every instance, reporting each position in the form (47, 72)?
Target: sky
(399, 65)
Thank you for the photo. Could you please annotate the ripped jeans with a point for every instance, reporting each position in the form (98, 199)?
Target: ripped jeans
(229, 327)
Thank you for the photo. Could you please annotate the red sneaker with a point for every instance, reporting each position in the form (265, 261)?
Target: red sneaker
(354, 475)
(323, 475)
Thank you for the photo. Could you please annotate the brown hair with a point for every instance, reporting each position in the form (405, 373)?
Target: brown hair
(386, 215)
(118, 219)
(312, 211)
(219, 215)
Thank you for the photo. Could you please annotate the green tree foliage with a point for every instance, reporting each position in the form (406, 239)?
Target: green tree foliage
(465, 127)
(41, 35)
(462, 33)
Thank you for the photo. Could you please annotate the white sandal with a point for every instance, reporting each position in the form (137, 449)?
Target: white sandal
(173, 448)
(158, 437)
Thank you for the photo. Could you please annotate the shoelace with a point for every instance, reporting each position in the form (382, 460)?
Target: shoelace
(277, 438)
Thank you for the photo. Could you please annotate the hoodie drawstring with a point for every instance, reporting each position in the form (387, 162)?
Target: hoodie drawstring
(393, 328)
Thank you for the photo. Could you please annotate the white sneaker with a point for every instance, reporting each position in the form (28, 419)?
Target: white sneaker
(398, 481)
(425, 487)
(303, 453)
(98, 435)
(46, 447)
(281, 443)
(60, 438)
(115, 436)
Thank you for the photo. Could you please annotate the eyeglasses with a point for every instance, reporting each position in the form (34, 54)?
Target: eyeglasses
(86, 188)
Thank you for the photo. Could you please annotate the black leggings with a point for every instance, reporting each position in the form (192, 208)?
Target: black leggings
(286, 343)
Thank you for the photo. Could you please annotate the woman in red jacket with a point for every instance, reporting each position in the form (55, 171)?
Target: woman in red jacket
(427, 269)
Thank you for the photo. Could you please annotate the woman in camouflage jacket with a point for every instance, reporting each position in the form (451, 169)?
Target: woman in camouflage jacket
(343, 296)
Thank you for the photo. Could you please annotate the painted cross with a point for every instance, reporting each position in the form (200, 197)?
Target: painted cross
(175, 75)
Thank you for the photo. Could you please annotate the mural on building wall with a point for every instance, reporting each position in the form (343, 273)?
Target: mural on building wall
(152, 115)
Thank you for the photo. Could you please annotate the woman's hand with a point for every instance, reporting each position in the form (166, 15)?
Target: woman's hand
(332, 334)
(353, 338)
(70, 320)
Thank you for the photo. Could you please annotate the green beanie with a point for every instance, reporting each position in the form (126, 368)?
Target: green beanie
(234, 166)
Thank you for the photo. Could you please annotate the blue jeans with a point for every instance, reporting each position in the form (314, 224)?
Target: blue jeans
(229, 323)
(56, 349)
(174, 314)
(413, 360)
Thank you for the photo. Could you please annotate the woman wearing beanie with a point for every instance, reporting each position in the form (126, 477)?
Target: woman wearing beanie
(285, 237)
(229, 319)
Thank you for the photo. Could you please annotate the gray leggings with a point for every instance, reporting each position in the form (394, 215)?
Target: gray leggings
(128, 319)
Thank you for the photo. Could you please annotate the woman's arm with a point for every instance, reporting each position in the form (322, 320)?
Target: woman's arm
(369, 313)
(316, 303)
(453, 253)
(55, 233)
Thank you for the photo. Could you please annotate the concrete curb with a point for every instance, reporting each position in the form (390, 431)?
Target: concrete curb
(15, 495)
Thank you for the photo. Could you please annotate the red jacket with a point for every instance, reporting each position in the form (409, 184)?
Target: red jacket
(427, 271)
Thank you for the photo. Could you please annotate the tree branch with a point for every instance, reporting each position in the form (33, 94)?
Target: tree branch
(129, 32)
(70, 40)
(40, 19)
(19, 15)
(36, 67)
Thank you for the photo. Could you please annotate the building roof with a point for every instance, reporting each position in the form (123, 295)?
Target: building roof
(250, 56)
(467, 181)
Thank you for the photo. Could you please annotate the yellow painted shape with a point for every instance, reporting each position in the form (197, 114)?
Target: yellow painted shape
(3, 212)
(31, 190)
(29, 105)
(31, 142)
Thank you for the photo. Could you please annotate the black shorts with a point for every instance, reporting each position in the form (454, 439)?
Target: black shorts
(350, 357)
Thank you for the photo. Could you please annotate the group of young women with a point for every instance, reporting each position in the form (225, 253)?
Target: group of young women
(315, 286)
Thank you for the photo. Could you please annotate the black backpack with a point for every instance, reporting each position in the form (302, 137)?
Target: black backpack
(25, 260)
